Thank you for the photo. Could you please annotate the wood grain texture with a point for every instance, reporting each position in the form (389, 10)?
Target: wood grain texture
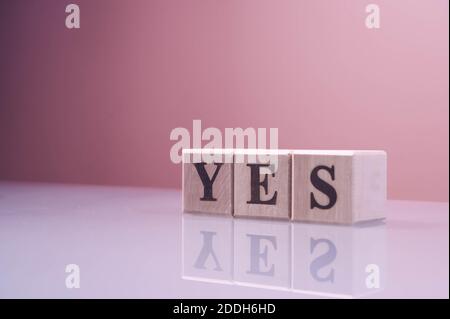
(193, 188)
(369, 185)
(278, 183)
(359, 182)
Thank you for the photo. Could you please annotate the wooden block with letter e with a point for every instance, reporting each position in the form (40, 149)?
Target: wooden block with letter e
(262, 183)
(342, 187)
(208, 181)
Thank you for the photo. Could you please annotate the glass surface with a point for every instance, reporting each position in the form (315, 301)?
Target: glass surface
(136, 243)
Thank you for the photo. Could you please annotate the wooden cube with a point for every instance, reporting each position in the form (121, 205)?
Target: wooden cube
(262, 183)
(208, 181)
(342, 187)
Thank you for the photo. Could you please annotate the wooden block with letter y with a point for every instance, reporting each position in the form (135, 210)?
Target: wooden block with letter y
(262, 183)
(208, 181)
(342, 187)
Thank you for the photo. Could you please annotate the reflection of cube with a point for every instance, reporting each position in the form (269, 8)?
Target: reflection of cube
(262, 183)
(207, 247)
(208, 181)
(342, 187)
(339, 261)
(262, 253)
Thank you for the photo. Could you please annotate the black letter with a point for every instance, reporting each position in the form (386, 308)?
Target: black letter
(324, 187)
(207, 183)
(255, 184)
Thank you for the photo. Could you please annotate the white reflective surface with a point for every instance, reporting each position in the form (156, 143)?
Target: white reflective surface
(136, 243)
(320, 260)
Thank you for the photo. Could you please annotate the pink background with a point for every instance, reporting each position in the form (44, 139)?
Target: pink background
(97, 105)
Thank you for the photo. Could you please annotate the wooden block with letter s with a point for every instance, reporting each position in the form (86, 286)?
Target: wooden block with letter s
(208, 181)
(341, 187)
